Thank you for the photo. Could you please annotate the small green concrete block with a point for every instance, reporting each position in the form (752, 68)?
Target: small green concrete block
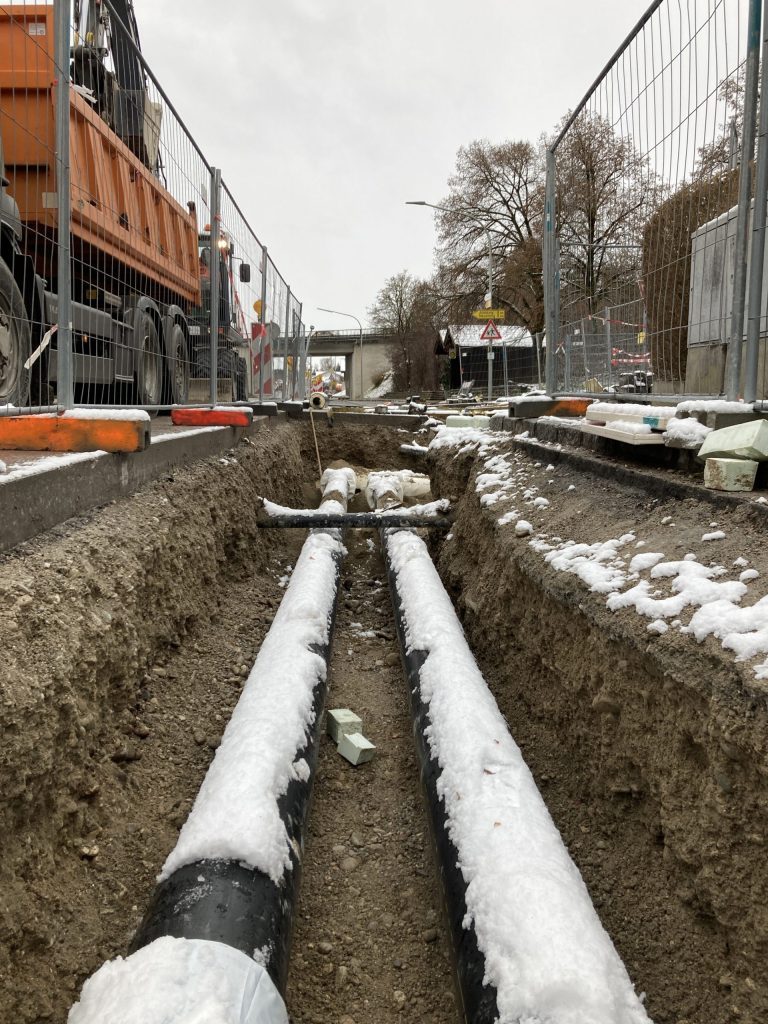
(356, 748)
(340, 721)
(741, 441)
(730, 474)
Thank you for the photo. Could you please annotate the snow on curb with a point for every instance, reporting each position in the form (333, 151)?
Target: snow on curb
(180, 981)
(546, 953)
(94, 413)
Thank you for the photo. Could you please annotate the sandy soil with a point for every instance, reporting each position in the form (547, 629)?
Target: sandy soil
(126, 636)
(370, 943)
(125, 639)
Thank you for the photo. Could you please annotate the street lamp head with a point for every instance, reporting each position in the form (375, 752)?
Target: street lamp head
(416, 202)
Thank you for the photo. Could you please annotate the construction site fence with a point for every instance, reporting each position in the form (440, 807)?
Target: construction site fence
(129, 271)
(655, 212)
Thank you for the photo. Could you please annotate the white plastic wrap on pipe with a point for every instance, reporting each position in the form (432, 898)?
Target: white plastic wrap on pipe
(180, 981)
(341, 481)
(387, 487)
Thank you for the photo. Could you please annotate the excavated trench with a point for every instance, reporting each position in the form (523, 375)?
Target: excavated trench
(127, 636)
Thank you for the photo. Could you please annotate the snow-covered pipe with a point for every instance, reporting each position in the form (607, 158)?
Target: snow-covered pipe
(351, 520)
(528, 942)
(227, 891)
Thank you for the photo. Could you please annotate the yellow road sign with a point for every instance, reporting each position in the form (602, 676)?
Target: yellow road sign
(488, 314)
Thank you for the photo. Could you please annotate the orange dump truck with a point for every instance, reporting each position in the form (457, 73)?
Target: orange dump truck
(139, 317)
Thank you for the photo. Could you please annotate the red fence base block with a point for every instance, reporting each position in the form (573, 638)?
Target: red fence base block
(68, 433)
(221, 417)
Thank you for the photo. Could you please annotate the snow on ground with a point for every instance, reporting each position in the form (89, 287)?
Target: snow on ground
(180, 981)
(31, 467)
(629, 409)
(383, 388)
(545, 950)
(684, 595)
(630, 426)
(687, 431)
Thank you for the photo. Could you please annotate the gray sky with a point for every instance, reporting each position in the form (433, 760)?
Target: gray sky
(326, 115)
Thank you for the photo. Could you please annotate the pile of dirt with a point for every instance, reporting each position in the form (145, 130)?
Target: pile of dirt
(651, 751)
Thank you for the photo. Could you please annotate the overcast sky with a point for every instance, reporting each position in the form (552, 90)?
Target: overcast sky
(326, 115)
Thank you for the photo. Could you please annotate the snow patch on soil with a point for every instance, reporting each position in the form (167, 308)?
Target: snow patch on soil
(714, 606)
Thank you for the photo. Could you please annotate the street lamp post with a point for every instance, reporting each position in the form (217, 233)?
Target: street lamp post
(351, 316)
(486, 229)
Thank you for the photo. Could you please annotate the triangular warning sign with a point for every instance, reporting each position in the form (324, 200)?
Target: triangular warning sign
(490, 332)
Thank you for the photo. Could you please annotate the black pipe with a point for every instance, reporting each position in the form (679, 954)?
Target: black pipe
(355, 520)
(223, 901)
(479, 999)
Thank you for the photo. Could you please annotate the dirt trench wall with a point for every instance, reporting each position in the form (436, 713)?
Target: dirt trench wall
(653, 758)
(360, 444)
(87, 611)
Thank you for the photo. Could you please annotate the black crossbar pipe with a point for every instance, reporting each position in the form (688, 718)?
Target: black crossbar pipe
(352, 520)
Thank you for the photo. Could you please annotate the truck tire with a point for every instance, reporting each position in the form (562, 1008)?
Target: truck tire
(149, 361)
(226, 367)
(234, 366)
(241, 379)
(177, 377)
(15, 342)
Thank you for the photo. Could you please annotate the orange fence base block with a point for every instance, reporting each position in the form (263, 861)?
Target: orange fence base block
(223, 416)
(570, 406)
(70, 434)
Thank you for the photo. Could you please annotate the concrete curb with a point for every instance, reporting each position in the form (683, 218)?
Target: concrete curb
(37, 501)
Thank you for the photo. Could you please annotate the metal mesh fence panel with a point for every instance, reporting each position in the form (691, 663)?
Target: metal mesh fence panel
(127, 239)
(647, 204)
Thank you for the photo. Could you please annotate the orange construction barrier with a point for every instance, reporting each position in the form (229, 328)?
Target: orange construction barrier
(570, 406)
(220, 416)
(73, 433)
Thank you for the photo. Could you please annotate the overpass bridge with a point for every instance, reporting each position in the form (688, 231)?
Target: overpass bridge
(362, 364)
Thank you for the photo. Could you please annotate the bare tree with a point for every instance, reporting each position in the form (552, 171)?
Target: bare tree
(496, 193)
(606, 193)
(407, 307)
(722, 154)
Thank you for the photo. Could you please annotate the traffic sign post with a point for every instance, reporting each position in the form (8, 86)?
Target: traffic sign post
(490, 333)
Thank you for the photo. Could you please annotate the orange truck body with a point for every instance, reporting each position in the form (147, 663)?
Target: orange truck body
(122, 217)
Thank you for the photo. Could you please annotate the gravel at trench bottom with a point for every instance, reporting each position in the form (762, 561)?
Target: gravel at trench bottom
(370, 941)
